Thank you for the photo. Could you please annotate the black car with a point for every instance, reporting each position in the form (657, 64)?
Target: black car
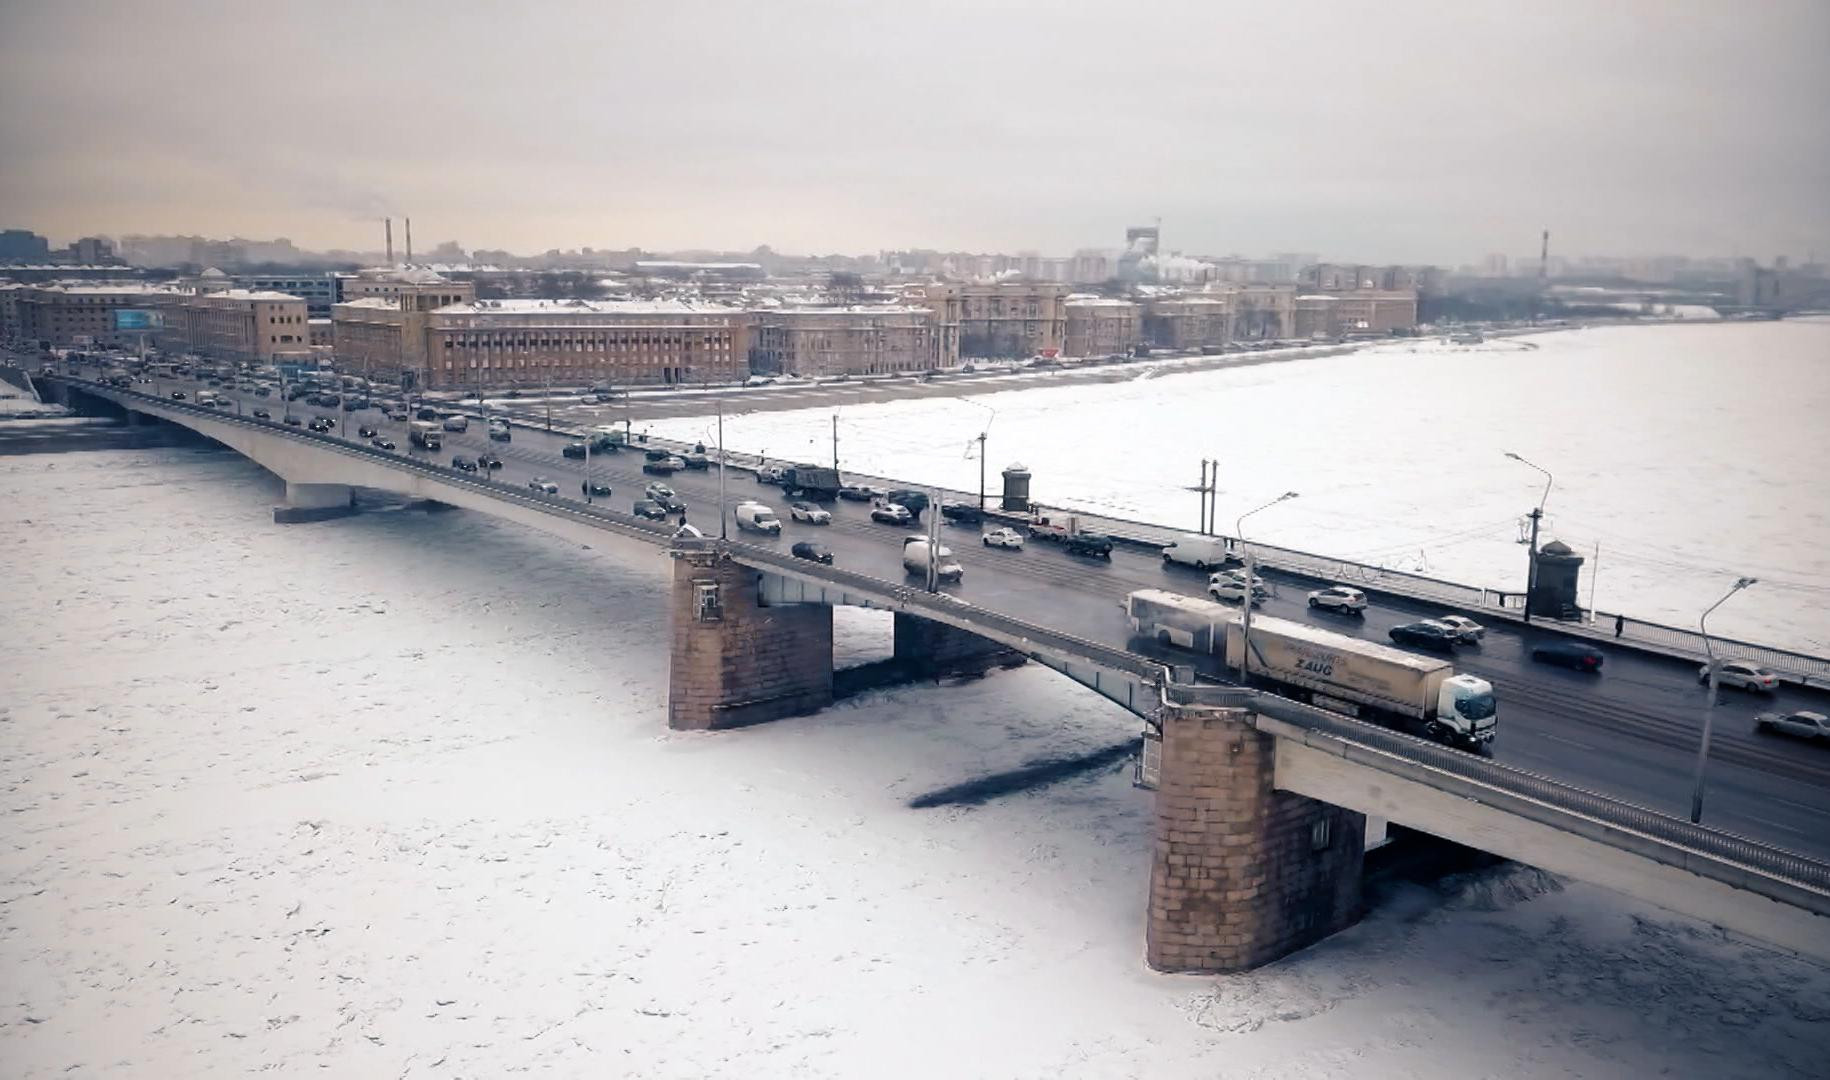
(696, 460)
(648, 508)
(1089, 544)
(263, 392)
(463, 464)
(177, 395)
(1424, 635)
(575, 450)
(812, 552)
(262, 414)
(382, 443)
(293, 420)
(657, 454)
(426, 414)
(489, 461)
(961, 514)
(596, 489)
(861, 492)
(1570, 654)
(367, 432)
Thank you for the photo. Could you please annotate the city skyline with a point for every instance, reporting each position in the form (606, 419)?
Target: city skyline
(1404, 134)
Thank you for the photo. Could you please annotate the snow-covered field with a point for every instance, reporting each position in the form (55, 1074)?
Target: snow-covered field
(394, 796)
(1691, 454)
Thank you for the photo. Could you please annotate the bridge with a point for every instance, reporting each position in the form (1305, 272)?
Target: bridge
(1260, 802)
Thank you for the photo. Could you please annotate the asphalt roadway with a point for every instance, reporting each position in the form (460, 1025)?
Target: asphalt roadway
(1630, 731)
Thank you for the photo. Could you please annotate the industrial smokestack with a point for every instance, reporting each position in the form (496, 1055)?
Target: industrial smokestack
(409, 240)
(1544, 259)
(388, 223)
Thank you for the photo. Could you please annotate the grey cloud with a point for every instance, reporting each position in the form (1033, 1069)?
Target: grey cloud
(1400, 130)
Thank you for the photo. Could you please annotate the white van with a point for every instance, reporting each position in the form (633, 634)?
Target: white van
(1201, 552)
(755, 517)
(457, 423)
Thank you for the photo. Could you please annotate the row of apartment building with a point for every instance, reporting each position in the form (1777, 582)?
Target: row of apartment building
(393, 322)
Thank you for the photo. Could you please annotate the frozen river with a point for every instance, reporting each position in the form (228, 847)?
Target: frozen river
(394, 796)
(1684, 457)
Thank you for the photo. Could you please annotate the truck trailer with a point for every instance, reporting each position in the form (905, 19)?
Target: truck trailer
(1363, 679)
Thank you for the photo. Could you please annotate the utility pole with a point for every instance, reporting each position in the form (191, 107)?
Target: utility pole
(1201, 492)
(1537, 515)
(835, 442)
(587, 472)
(934, 547)
(1245, 600)
(722, 517)
(547, 375)
(1213, 496)
(1531, 568)
(982, 471)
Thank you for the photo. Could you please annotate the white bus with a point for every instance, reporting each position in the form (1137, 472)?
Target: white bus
(1173, 619)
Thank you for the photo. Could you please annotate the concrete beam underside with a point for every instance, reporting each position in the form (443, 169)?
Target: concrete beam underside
(929, 649)
(1309, 771)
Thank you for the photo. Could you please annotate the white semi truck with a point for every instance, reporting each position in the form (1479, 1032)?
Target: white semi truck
(1364, 679)
(426, 434)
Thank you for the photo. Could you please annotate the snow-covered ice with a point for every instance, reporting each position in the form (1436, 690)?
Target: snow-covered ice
(1691, 454)
(394, 796)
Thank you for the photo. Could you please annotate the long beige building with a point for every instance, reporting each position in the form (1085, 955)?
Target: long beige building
(1005, 319)
(73, 314)
(380, 328)
(582, 342)
(236, 324)
(1101, 326)
(856, 340)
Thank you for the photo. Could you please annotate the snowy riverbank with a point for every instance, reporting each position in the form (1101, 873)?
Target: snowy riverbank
(394, 796)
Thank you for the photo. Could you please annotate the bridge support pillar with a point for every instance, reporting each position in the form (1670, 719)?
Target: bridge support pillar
(734, 661)
(929, 649)
(314, 502)
(1241, 874)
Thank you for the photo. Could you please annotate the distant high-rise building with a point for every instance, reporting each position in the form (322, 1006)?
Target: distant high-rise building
(23, 245)
(1496, 266)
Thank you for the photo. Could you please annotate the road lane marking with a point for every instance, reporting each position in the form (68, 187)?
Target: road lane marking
(1567, 742)
(1774, 824)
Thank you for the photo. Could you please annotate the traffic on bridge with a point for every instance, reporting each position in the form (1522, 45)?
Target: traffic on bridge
(1629, 730)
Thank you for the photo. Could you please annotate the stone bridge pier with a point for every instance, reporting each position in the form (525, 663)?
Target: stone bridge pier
(1241, 873)
(734, 661)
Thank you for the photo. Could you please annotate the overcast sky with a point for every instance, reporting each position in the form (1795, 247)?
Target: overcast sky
(1386, 131)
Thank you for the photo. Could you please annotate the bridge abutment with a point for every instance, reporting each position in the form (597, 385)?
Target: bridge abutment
(1241, 873)
(314, 502)
(734, 661)
(928, 649)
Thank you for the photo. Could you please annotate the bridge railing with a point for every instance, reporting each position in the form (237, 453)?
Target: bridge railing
(1766, 859)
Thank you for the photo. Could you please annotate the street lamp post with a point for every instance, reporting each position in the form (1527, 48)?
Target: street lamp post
(1245, 601)
(1531, 570)
(1709, 710)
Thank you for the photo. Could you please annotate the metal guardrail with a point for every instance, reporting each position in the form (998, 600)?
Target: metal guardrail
(1776, 862)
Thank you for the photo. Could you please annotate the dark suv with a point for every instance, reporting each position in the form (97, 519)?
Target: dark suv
(1089, 544)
